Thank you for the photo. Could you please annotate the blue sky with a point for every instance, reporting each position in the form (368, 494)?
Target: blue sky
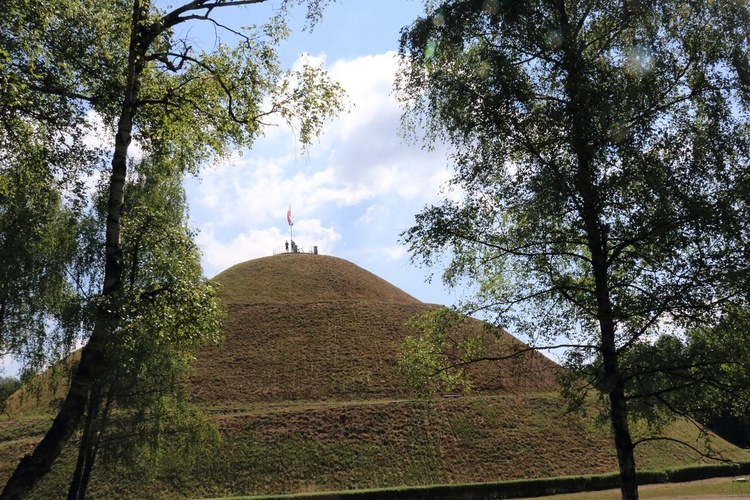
(358, 186)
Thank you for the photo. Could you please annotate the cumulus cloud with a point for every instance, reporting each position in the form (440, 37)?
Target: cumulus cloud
(359, 156)
(9, 367)
(357, 187)
(365, 144)
(395, 252)
(224, 249)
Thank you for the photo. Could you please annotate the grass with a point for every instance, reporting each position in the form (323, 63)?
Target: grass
(306, 395)
(710, 488)
(307, 327)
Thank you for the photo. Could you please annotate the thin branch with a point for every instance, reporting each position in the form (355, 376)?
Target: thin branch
(518, 251)
(176, 17)
(515, 354)
(61, 92)
(678, 441)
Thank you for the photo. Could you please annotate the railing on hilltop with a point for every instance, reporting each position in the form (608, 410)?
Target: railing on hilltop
(297, 249)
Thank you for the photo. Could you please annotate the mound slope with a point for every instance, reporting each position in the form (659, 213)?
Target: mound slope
(305, 392)
(289, 278)
(313, 327)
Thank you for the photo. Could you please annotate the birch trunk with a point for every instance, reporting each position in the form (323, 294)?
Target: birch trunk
(33, 467)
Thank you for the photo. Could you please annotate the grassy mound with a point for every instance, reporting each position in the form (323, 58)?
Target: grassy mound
(306, 394)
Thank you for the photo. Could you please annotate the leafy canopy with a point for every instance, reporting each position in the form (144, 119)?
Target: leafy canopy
(601, 153)
(63, 81)
(141, 307)
(609, 129)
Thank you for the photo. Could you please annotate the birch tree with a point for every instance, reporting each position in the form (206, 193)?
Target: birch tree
(123, 62)
(601, 153)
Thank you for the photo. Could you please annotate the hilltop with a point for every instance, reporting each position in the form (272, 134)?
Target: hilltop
(293, 278)
(305, 392)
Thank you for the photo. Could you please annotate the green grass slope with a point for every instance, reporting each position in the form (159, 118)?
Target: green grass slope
(306, 394)
(313, 327)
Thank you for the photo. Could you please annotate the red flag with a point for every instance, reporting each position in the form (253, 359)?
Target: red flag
(289, 215)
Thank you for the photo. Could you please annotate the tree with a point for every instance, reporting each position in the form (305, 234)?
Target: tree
(33, 279)
(166, 311)
(8, 385)
(600, 150)
(43, 162)
(705, 375)
(122, 62)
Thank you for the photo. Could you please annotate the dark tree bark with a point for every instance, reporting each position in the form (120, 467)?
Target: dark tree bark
(583, 141)
(77, 488)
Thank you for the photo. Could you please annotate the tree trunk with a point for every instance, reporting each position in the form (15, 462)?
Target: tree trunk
(93, 450)
(623, 443)
(612, 382)
(75, 482)
(584, 145)
(98, 426)
(33, 467)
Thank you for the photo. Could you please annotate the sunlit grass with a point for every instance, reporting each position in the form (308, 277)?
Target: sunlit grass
(305, 392)
(714, 488)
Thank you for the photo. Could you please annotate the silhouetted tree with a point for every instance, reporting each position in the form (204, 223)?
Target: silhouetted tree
(601, 154)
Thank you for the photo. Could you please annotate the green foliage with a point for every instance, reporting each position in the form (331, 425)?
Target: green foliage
(600, 154)
(65, 67)
(434, 360)
(37, 246)
(230, 91)
(705, 375)
(8, 385)
(52, 73)
(166, 311)
(493, 80)
(61, 54)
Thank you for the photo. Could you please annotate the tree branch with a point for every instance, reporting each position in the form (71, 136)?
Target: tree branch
(683, 443)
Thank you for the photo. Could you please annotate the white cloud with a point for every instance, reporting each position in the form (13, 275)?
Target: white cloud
(357, 188)
(309, 60)
(358, 158)
(395, 252)
(369, 215)
(9, 367)
(222, 250)
(365, 144)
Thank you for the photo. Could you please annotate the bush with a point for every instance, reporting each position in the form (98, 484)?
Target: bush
(699, 472)
(8, 385)
(532, 487)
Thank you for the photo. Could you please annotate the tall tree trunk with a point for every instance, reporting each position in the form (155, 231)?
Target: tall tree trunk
(84, 449)
(612, 382)
(99, 425)
(33, 467)
(623, 443)
(588, 200)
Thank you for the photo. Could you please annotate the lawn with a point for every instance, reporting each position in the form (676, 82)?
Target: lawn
(721, 487)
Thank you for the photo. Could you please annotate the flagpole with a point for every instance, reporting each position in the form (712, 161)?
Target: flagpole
(289, 220)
